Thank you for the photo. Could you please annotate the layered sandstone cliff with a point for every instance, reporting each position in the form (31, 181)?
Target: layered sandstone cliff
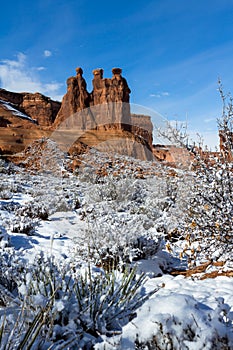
(17, 130)
(37, 106)
(102, 115)
(100, 118)
(107, 106)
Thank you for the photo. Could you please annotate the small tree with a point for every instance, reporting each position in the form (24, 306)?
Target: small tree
(208, 224)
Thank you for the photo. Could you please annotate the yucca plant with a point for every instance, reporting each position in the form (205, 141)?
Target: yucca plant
(62, 306)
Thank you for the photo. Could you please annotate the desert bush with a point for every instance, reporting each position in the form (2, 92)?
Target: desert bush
(62, 306)
(208, 226)
(6, 194)
(127, 218)
(22, 224)
(205, 226)
(4, 238)
(33, 210)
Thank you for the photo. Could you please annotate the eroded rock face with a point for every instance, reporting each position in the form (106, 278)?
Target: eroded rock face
(40, 108)
(16, 130)
(37, 106)
(142, 126)
(109, 90)
(100, 119)
(104, 111)
(107, 106)
(76, 99)
(12, 97)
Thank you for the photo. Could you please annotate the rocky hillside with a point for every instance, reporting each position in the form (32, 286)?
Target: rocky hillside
(37, 106)
(17, 130)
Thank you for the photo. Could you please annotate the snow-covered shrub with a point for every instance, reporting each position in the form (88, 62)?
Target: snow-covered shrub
(127, 218)
(6, 167)
(22, 224)
(11, 268)
(205, 224)
(172, 333)
(3, 165)
(4, 238)
(5, 194)
(64, 307)
(8, 187)
(33, 210)
(209, 225)
(114, 240)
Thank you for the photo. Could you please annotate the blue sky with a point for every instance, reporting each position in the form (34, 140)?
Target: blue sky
(172, 52)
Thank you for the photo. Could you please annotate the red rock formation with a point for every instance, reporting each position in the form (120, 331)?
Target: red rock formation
(16, 130)
(173, 155)
(107, 105)
(76, 99)
(40, 108)
(109, 90)
(98, 119)
(103, 116)
(142, 126)
(37, 106)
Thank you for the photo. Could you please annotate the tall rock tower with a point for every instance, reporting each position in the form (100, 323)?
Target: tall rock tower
(107, 104)
(76, 99)
(103, 116)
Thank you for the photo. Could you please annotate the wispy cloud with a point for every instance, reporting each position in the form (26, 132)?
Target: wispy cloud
(160, 94)
(40, 68)
(16, 75)
(47, 53)
(155, 95)
(209, 120)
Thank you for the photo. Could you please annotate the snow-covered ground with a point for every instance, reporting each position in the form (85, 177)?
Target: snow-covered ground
(87, 219)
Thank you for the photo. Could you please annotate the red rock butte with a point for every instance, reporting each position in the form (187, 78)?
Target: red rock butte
(98, 118)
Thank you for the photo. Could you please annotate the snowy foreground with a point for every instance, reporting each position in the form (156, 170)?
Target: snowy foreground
(101, 224)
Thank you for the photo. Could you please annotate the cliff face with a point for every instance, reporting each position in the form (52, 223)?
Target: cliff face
(142, 126)
(37, 106)
(99, 119)
(106, 109)
(17, 130)
(107, 104)
(76, 99)
(40, 108)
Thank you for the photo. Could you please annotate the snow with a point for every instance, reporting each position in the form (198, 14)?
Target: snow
(189, 302)
(185, 313)
(15, 112)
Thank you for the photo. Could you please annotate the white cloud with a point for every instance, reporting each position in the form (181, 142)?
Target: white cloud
(21, 58)
(16, 75)
(47, 53)
(53, 86)
(40, 68)
(160, 94)
(155, 95)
